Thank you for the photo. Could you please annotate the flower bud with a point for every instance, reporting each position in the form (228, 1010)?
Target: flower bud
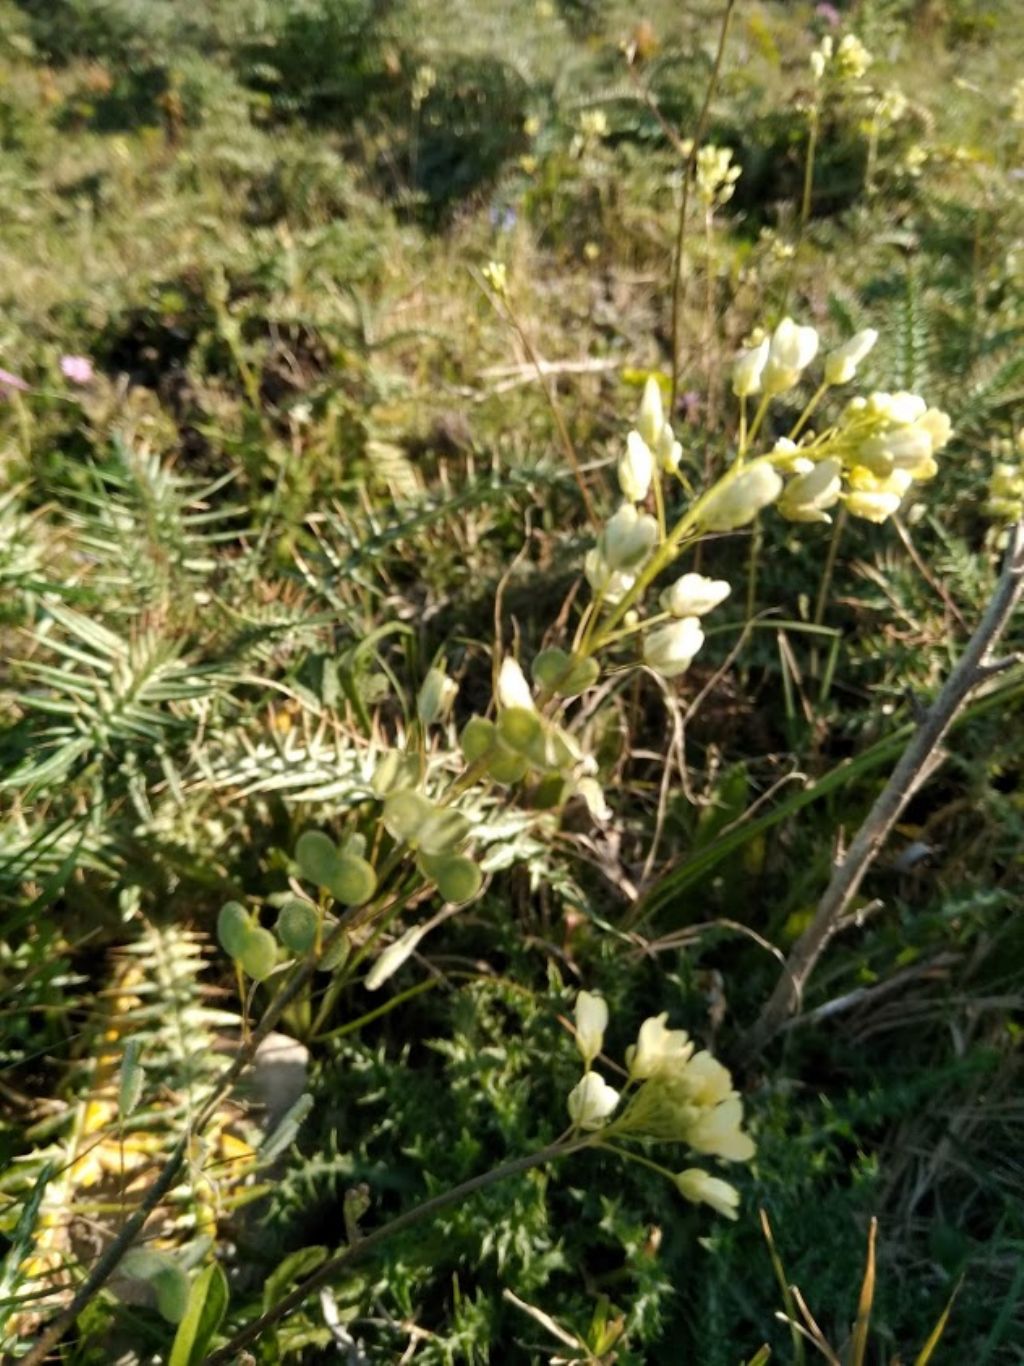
(636, 468)
(591, 1101)
(435, 697)
(627, 539)
(875, 499)
(792, 349)
(612, 584)
(748, 368)
(513, 689)
(670, 649)
(651, 418)
(742, 498)
(693, 595)
(805, 497)
(841, 364)
(700, 1188)
(591, 1022)
(668, 450)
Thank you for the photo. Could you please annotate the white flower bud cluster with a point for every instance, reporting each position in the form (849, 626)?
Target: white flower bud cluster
(673, 1094)
(716, 175)
(882, 445)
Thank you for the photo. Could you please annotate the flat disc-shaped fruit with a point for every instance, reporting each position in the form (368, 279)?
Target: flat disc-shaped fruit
(404, 813)
(234, 925)
(258, 957)
(353, 881)
(458, 878)
(316, 854)
(296, 925)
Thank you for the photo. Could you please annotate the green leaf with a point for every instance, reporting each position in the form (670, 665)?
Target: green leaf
(284, 1134)
(207, 1302)
(295, 1267)
(132, 1080)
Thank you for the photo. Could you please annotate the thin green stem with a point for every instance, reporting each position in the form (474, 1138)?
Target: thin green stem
(812, 145)
(753, 565)
(691, 162)
(755, 426)
(805, 416)
(358, 1250)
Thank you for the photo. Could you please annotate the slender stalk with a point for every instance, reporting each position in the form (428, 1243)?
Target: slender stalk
(917, 761)
(691, 162)
(341, 1261)
(812, 145)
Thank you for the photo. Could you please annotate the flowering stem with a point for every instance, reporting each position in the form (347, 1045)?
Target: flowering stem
(755, 426)
(691, 163)
(804, 417)
(356, 1251)
(639, 1159)
(659, 504)
(812, 144)
(753, 564)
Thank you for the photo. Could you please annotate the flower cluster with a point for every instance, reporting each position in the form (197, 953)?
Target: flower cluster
(672, 1094)
(716, 176)
(880, 446)
(867, 460)
(846, 62)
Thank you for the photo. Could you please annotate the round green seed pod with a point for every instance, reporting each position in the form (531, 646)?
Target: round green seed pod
(394, 773)
(355, 845)
(506, 766)
(234, 925)
(519, 728)
(404, 813)
(316, 854)
(296, 925)
(258, 957)
(353, 881)
(477, 738)
(442, 831)
(458, 878)
(563, 674)
(339, 951)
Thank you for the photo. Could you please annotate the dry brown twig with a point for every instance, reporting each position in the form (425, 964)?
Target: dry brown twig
(920, 758)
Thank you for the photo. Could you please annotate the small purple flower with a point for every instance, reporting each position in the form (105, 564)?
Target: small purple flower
(829, 13)
(9, 382)
(503, 218)
(690, 404)
(78, 369)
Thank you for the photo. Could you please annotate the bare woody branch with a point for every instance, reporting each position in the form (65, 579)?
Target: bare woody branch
(918, 760)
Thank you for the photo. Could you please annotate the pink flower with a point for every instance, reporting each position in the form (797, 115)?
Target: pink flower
(78, 369)
(829, 13)
(9, 381)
